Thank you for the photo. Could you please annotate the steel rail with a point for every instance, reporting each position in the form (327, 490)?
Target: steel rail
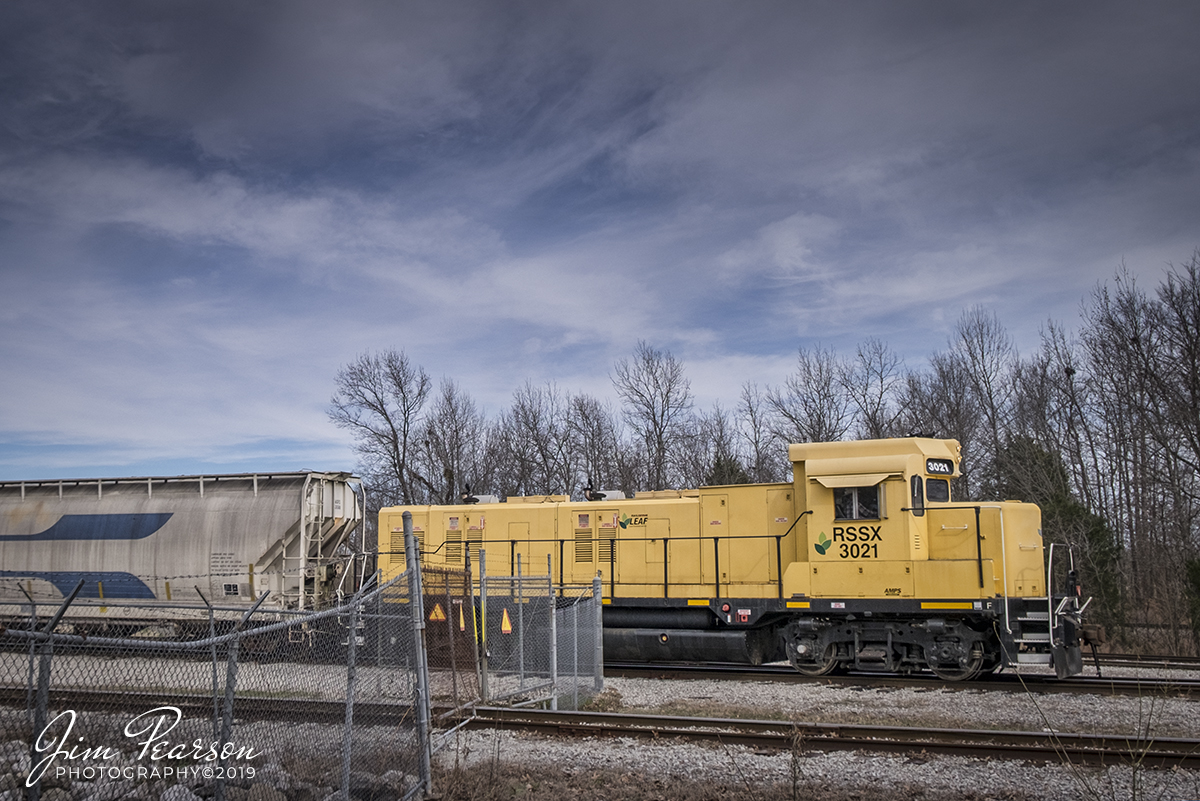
(1151, 661)
(1090, 749)
(1000, 682)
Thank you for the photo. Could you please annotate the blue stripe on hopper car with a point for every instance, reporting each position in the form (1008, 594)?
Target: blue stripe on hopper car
(97, 527)
(116, 584)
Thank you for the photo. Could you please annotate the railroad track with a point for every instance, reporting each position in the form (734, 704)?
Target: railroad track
(767, 735)
(1152, 662)
(1080, 749)
(247, 707)
(1005, 682)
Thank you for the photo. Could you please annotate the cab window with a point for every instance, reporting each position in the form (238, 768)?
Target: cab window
(918, 496)
(856, 503)
(937, 490)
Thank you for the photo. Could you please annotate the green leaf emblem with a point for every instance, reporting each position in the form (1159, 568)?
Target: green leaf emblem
(822, 544)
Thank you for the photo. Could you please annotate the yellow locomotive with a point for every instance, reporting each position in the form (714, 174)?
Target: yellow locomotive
(864, 560)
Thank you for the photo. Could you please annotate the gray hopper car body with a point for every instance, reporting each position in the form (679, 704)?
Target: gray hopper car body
(149, 547)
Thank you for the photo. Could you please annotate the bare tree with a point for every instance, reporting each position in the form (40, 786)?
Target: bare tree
(940, 402)
(657, 402)
(812, 405)
(708, 455)
(1057, 406)
(691, 455)
(1119, 336)
(766, 457)
(595, 437)
(1143, 359)
(453, 446)
(1174, 376)
(632, 466)
(989, 358)
(871, 381)
(725, 463)
(379, 399)
(536, 444)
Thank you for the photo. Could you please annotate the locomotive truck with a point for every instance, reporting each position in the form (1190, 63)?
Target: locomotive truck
(863, 560)
(157, 549)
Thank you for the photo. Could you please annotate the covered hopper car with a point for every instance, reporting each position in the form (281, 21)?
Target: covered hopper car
(863, 560)
(155, 549)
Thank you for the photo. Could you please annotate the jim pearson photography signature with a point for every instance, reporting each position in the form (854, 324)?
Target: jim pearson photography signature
(163, 758)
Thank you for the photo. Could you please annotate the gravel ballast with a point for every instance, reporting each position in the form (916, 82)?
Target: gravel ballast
(744, 772)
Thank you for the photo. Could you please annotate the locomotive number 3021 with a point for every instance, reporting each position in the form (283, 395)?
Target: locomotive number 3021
(859, 550)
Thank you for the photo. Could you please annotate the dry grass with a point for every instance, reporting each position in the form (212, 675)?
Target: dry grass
(607, 701)
(499, 782)
(706, 708)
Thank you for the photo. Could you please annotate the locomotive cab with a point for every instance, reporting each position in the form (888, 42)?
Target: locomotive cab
(909, 577)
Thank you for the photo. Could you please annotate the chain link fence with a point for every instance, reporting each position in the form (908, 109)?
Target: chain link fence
(332, 703)
(541, 642)
(346, 702)
(578, 645)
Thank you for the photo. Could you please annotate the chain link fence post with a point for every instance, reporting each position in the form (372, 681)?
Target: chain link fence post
(451, 639)
(598, 633)
(351, 676)
(575, 655)
(212, 635)
(42, 702)
(553, 635)
(231, 666)
(40, 711)
(31, 684)
(483, 646)
(351, 685)
(421, 701)
(231, 673)
(520, 627)
(476, 625)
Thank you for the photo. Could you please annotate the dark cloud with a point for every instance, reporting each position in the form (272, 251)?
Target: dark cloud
(224, 201)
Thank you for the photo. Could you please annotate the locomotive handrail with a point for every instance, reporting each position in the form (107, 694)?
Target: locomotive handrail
(1004, 562)
(1049, 588)
(979, 549)
(1054, 613)
(561, 541)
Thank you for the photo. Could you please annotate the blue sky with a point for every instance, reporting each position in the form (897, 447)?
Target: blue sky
(206, 208)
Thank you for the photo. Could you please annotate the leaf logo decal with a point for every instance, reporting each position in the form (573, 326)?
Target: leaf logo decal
(822, 544)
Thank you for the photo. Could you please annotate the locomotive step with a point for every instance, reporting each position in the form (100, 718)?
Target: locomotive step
(1034, 636)
(1043, 616)
(1033, 659)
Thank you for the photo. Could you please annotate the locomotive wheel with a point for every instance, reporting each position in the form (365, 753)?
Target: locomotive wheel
(957, 672)
(820, 667)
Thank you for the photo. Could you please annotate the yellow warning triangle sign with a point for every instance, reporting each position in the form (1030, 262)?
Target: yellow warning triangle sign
(506, 624)
(437, 613)
(462, 623)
